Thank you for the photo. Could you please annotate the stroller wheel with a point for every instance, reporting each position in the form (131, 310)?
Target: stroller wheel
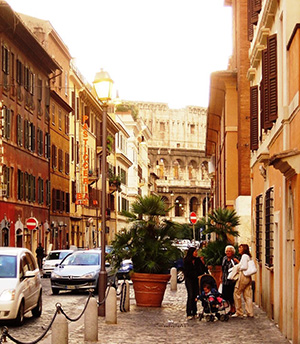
(218, 315)
(212, 318)
(226, 317)
(200, 317)
(207, 318)
(223, 317)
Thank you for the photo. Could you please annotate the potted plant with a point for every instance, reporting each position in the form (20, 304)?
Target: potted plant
(114, 181)
(149, 243)
(222, 223)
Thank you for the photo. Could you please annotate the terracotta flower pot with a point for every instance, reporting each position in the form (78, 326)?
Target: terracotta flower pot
(149, 289)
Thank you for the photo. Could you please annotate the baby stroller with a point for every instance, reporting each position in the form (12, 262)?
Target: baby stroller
(213, 305)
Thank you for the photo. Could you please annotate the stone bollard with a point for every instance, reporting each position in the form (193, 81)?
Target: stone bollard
(91, 321)
(59, 330)
(127, 297)
(173, 279)
(111, 307)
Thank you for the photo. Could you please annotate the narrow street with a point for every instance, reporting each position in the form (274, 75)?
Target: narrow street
(167, 324)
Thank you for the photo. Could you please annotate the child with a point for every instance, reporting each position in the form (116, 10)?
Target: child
(212, 295)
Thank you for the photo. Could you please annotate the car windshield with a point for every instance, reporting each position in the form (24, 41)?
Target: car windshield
(82, 259)
(57, 255)
(8, 266)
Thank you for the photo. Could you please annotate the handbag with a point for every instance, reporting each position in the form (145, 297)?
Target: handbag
(234, 272)
(251, 268)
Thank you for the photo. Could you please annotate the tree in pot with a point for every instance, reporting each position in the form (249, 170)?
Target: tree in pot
(149, 243)
(222, 223)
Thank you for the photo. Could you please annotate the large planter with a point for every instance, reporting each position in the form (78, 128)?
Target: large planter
(216, 272)
(149, 289)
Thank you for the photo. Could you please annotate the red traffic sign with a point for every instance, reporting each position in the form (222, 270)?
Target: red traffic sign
(193, 217)
(32, 223)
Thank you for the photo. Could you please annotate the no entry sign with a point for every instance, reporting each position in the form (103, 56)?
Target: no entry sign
(193, 217)
(32, 223)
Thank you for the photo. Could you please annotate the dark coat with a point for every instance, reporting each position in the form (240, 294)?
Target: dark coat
(194, 268)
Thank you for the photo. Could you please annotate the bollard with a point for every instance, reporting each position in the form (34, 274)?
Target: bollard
(173, 279)
(127, 297)
(91, 321)
(59, 330)
(111, 307)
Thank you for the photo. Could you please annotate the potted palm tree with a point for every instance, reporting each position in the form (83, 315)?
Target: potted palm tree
(222, 223)
(149, 243)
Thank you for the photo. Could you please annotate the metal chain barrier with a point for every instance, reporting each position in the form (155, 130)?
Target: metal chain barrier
(58, 310)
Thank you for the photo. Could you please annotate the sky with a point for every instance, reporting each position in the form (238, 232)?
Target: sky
(154, 50)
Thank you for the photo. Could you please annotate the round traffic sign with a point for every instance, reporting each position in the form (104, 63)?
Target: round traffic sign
(32, 223)
(193, 217)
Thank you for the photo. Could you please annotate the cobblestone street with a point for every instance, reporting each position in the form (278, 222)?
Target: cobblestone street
(168, 324)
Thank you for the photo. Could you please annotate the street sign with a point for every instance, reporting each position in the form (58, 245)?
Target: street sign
(32, 223)
(193, 217)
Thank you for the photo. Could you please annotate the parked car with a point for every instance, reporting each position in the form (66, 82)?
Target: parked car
(79, 271)
(20, 284)
(52, 259)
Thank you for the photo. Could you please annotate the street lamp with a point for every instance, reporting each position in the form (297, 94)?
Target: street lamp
(103, 86)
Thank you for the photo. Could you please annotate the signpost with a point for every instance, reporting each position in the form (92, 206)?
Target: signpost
(193, 220)
(32, 223)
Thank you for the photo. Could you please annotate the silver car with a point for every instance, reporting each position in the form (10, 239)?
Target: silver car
(20, 284)
(52, 259)
(79, 271)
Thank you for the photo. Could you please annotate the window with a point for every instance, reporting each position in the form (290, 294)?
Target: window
(48, 193)
(192, 128)
(7, 119)
(6, 181)
(5, 60)
(19, 131)
(59, 119)
(67, 163)
(60, 160)
(47, 146)
(254, 118)
(258, 226)
(19, 72)
(67, 202)
(32, 188)
(26, 134)
(31, 137)
(20, 186)
(54, 157)
(40, 143)
(268, 86)
(269, 230)
(40, 191)
(53, 114)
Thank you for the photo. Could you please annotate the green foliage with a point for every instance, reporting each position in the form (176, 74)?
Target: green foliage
(149, 240)
(109, 143)
(128, 107)
(222, 222)
(115, 180)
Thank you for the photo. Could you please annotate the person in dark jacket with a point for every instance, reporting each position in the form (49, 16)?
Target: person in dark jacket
(193, 267)
(228, 285)
(40, 255)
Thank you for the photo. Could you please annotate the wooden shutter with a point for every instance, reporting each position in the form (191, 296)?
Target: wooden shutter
(53, 199)
(272, 69)
(265, 83)
(254, 117)
(73, 103)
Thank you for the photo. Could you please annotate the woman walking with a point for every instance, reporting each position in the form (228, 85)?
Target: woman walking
(243, 285)
(193, 267)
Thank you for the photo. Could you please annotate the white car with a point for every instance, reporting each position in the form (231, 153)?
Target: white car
(20, 284)
(53, 259)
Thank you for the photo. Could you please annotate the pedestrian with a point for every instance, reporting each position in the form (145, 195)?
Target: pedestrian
(228, 285)
(40, 255)
(243, 285)
(193, 267)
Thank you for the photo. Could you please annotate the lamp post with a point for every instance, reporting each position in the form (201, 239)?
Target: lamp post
(103, 86)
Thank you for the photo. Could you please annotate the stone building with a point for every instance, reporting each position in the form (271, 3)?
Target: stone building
(177, 157)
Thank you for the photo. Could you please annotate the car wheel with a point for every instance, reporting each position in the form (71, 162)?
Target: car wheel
(180, 275)
(20, 316)
(55, 291)
(37, 310)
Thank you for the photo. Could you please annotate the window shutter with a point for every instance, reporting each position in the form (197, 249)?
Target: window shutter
(254, 117)
(53, 199)
(265, 82)
(257, 5)
(272, 67)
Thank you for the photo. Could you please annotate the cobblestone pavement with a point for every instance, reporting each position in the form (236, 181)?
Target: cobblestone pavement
(168, 324)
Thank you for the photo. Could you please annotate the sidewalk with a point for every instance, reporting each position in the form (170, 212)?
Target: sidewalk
(168, 324)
